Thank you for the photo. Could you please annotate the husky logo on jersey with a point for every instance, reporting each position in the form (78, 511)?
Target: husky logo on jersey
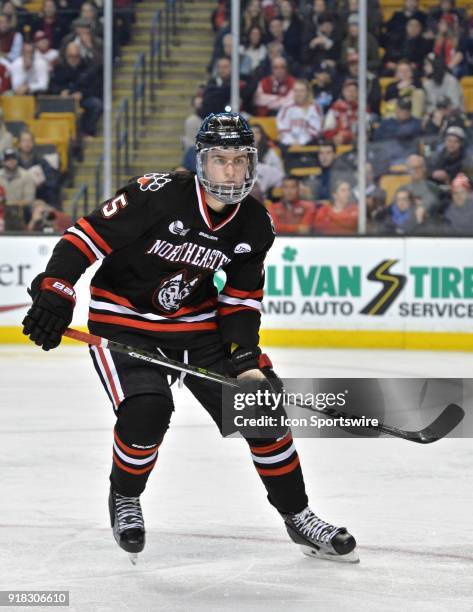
(153, 181)
(243, 247)
(177, 227)
(173, 290)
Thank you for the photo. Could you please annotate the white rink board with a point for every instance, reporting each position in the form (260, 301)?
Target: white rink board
(311, 283)
(307, 278)
(21, 259)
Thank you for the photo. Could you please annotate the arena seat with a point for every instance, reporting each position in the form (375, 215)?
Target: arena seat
(16, 127)
(344, 148)
(18, 108)
(398, 169)
(33, 7)
(384, 82)
(53, 132)
(467, 88)
(303, 149)
(58, 107)
(56, 104)
(391, 183)
(69, 117)
(269, 126)
(310, 171)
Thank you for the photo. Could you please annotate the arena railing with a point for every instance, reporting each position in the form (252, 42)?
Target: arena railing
(122, 135)
(146, 73)
(138, 99)
(98, 183)
(80, 203)
(155, 54)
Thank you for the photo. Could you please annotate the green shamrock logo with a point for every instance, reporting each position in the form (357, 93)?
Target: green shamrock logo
(289, 254)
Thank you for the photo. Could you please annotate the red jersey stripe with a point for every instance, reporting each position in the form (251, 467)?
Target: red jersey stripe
(122, 301)
(263, 450)
(279, 471)
(89, 230)
(159, 327)
(78, 243)
(134, 451)
(113, 297)
(228, 310)
(227, 290)
(109, 376)
(133, 470)
(187, 309)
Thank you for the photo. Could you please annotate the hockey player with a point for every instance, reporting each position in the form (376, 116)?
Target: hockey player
(161, 239)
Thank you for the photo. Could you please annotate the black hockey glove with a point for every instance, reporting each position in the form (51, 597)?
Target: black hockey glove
(51, 312)
(243, 359)
(271, 385)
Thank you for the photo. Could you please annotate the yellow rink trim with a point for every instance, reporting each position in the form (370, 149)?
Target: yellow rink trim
(336, 338)
(327, 338)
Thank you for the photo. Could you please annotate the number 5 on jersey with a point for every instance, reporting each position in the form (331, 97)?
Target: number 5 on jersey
(110, 208)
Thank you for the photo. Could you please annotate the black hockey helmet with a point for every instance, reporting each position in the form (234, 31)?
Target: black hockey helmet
(226, 131)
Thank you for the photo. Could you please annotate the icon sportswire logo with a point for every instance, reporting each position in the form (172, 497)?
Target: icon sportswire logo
(392, 283)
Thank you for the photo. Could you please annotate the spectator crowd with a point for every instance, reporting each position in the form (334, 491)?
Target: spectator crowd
(57, 52)
(299, 89)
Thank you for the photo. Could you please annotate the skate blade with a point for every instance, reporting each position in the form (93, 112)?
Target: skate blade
(133, 558)
(351, 557)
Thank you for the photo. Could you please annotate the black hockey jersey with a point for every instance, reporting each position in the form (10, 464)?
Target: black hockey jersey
(160, 249)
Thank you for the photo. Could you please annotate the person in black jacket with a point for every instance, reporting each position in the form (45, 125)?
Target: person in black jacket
(46, 177)
(48, 21)
(395, 28)
(81, 80)
(446, 163)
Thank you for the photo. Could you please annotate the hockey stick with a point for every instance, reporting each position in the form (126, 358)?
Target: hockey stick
(139, 353)
(448, 419)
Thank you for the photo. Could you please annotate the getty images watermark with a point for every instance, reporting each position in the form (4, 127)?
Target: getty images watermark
(275, 402)
(341, 407)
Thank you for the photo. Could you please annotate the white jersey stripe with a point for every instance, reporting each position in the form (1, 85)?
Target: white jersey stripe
(132, 460)
(275, 458)
(88, 241)
(104, 374)
(149, 315)
(239, 301)
(115, 380)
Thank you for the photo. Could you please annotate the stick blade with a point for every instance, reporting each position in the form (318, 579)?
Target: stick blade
(442, 426)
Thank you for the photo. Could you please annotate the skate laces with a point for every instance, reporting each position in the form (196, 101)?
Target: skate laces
(314, 527)
(128, 512)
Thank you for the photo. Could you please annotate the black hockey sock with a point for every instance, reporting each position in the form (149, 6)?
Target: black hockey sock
(131, 467)
(277, 463)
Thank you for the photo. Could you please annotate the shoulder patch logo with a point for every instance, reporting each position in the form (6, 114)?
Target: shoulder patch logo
(243, 247)
(177, 228)
(153, 181)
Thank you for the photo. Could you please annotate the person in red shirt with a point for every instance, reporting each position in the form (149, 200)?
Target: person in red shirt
(291, 215)
(339, 217)
(275, 90)
(342, 115)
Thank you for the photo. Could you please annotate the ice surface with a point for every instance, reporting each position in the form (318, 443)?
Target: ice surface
(213, 541)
